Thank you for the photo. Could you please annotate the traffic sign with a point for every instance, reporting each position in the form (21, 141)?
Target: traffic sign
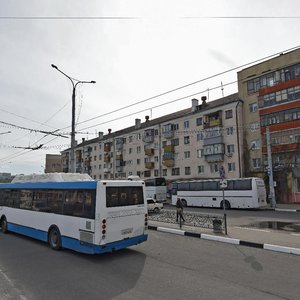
(223, 184)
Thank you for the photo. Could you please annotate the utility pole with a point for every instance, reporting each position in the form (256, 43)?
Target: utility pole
(73, 142)
(270, 170)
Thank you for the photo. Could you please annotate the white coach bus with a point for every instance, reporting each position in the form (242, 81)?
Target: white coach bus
(75, 212)
(240, 193)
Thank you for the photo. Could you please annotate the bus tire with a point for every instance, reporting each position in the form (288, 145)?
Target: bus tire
(227, 204)
(184, 203)
(4, 225)
(54, 238)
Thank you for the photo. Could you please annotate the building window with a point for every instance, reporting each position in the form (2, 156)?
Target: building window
(138, 161)
(254, 126)
(100, 156)
(175, 171)
(138, 149)
(199, 121)
(256, 163)
(229, 130)
(200, 136)
(230, 148)
(214, 168)
(187, 154)
(200, 153)
(156, 173)
(165, 172)
(200, 169)
(175, 142)
(256, 144)
(231, 167)
(253, 107)
(186, 124)
(187, 171)
(228, 114)
(186, 140)
(130, 139)
(95, 158)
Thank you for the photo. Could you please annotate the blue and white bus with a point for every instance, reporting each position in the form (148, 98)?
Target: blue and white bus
(75, 212)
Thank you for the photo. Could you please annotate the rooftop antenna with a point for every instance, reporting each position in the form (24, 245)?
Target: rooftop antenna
(208, 94)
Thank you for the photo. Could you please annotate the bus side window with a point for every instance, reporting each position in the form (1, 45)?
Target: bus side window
(55, 201)
(89, 205)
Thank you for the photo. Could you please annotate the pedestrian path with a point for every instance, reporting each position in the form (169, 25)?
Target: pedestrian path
(268, 239)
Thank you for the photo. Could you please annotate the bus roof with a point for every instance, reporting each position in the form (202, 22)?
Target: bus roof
(52, 177)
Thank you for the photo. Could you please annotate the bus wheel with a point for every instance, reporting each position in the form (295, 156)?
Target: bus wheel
(156, 210)
(184, 203)
(54, 238)
(227, 204)
(4, 225)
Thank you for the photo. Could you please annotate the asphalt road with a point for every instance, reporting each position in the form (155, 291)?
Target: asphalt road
(165, 267)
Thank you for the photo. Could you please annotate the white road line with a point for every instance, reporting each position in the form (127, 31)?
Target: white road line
(10, 282)
(254, 229)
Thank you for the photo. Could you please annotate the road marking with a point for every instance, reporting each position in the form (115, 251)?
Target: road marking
(254, 229)
(10, 282)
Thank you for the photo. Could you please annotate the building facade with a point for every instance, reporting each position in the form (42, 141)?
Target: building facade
(271, 94)
(191, 143)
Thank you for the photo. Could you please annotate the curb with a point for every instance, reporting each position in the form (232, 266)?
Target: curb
(287, 209)
(222, 239)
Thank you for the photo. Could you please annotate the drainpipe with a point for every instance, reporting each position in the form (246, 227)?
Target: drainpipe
(238, 134)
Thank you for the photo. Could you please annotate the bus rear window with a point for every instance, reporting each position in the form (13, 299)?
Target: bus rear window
(124, 196)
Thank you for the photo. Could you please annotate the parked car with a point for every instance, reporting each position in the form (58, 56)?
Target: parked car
(154, 206)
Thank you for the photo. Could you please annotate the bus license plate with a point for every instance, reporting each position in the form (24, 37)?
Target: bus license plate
(126, 231)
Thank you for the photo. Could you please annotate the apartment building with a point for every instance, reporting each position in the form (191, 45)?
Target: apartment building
(271, 94)
(191, 143)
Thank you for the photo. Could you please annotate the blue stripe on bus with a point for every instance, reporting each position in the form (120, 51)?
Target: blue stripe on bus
(77, 245)
(50, 185)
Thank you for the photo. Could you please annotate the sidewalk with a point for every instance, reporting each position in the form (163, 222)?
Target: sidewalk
(269, 239)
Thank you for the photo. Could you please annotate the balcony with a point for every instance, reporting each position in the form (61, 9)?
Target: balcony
(107, 147)
(168, 163)
(149, 152)
(149, 165)
(106, 158)
(148, 136)
(169, 148)
(119, 144)
(212, 120)
(168, 131)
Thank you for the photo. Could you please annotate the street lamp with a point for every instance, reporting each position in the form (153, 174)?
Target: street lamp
(74, 84)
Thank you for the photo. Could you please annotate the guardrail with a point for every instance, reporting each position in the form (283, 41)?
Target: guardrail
(215, 222)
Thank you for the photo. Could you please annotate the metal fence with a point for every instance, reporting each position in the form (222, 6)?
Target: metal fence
(215, 222)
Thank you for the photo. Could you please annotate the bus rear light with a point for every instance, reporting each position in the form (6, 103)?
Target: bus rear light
(103, 226)
(103, 236)
(103, 221)
(103, 231)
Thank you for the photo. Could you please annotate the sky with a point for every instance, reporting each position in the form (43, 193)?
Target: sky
(148, 58)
